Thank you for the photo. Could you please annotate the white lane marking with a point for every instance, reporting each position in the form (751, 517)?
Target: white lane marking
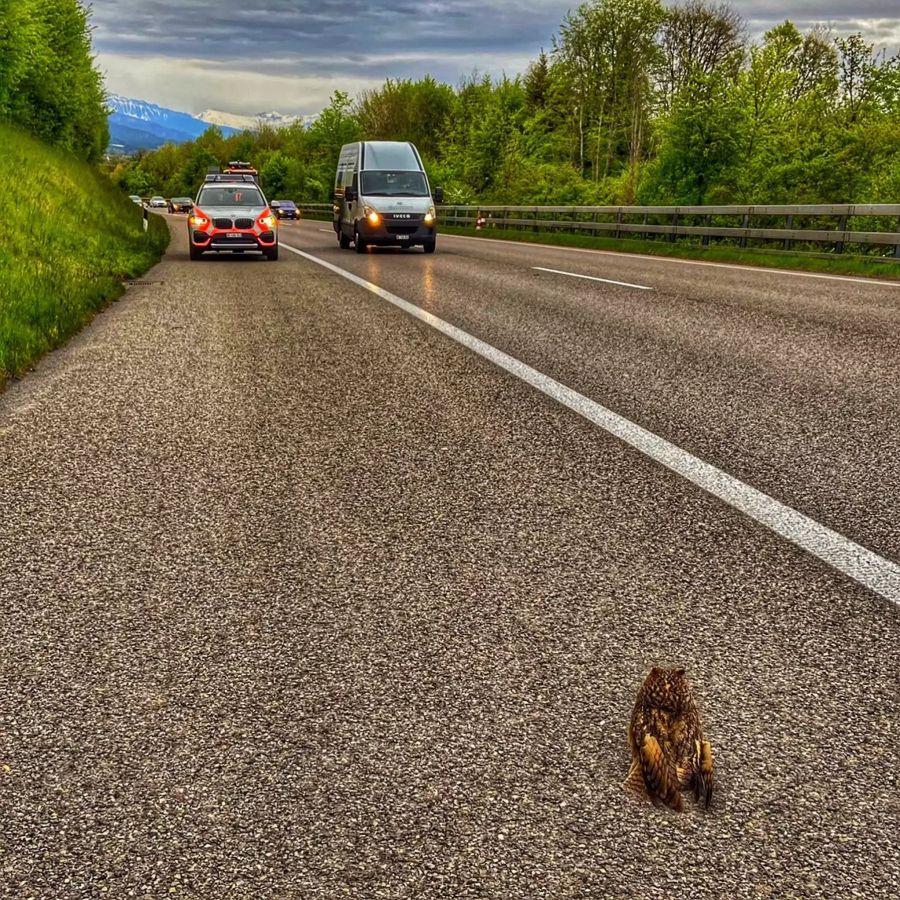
(878, 282)
(327, 230)
(640, 287)
(869, 569)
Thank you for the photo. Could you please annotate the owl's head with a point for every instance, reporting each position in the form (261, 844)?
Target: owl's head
(667, 689)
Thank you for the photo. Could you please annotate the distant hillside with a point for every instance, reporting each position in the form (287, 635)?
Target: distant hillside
(138, 125)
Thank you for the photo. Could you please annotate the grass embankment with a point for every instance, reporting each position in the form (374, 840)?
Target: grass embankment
(881, 267)
(68, 239)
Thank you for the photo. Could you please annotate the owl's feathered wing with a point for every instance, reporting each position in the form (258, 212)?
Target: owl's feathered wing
(669, 752)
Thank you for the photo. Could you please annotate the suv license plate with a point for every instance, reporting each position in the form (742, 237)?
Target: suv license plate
(234, 234)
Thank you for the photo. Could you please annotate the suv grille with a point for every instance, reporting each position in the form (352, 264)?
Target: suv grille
(243, 223)
(222, 223)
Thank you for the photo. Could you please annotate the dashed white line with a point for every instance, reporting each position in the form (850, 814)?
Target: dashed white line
(759, 270)
(628, 284)
(867, 568)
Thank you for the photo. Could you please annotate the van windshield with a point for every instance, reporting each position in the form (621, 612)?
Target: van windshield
(393, 184)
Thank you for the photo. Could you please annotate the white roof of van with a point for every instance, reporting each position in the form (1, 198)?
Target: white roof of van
(398, 155)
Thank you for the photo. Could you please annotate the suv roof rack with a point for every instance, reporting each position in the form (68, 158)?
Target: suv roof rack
(231, 178)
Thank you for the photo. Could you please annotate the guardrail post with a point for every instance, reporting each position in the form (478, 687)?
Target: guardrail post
(674, 226)
(745, 223)
(618, 223)
(788, 243)
(897, 246)
(707, 220)
(842, 227)
(644, 233)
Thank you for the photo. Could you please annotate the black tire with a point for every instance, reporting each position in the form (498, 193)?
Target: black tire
(343, 240)
(271, 254)
(359, 242)
(196, 252)
(429, 246)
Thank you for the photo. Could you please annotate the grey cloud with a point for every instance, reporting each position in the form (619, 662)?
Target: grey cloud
(192, 28)
(307, 49)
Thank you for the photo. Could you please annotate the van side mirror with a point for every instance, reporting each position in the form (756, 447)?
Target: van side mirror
(438, 195)
(349, 194)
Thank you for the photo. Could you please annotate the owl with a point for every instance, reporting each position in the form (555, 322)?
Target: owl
(668, 751)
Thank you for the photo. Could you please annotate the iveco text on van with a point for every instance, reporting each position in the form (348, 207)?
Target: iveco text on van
(382, 197)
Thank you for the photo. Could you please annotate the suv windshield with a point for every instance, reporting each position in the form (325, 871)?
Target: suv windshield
(393, 184)
(232, 195)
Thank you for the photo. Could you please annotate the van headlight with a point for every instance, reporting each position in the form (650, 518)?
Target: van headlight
(430, 216)
(373, 217)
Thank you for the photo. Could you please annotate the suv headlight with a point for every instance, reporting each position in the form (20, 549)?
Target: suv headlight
(268, 221)
(430, 216)
(372, 215)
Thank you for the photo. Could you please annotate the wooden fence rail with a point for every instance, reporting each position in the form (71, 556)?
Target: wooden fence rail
(872, 228)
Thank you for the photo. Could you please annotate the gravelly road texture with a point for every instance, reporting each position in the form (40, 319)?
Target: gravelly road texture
(301, 599)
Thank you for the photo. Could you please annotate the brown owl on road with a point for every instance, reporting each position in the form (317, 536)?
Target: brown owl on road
(668, 751)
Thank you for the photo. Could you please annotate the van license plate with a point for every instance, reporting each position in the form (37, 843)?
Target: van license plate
(402, 237)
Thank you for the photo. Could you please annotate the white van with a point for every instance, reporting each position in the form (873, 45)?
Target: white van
(382, 197)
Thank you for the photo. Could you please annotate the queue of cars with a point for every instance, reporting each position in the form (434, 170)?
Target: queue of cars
(381, 198)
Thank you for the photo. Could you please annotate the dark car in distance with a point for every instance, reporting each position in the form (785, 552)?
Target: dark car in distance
(181, 205)
(285, 209)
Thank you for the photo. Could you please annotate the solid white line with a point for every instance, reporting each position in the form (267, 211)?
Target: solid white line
(640, 287)
(759, 270)
(869, 569)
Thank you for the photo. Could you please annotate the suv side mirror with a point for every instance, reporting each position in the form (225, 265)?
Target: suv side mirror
(349, 194)
(438, 195)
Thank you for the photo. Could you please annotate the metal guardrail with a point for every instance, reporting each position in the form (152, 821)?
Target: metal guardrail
(840, 226)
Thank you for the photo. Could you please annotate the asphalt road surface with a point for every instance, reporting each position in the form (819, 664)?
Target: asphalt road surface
(302, 598)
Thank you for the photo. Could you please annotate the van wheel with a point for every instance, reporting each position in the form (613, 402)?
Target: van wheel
(429, 246)
(343, 240)
(360, 243)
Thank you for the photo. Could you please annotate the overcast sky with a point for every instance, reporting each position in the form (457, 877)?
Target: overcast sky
(289, 55)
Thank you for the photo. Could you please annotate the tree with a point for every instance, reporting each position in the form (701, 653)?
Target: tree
(607, 52)
(274, 175)
(49, 82)
(699, 37)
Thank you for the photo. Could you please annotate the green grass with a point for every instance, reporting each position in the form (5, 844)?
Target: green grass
(68, 239)
(879, 267)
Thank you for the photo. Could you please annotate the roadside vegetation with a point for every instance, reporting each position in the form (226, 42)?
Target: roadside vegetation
(49, 84)
(68, 239)
(632, 103)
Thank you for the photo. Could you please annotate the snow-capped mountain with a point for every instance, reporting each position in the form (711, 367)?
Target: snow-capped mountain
(137, 124)
(251, 123)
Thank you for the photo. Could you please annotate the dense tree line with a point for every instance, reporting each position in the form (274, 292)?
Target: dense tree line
(633, 102)
(48, 81)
